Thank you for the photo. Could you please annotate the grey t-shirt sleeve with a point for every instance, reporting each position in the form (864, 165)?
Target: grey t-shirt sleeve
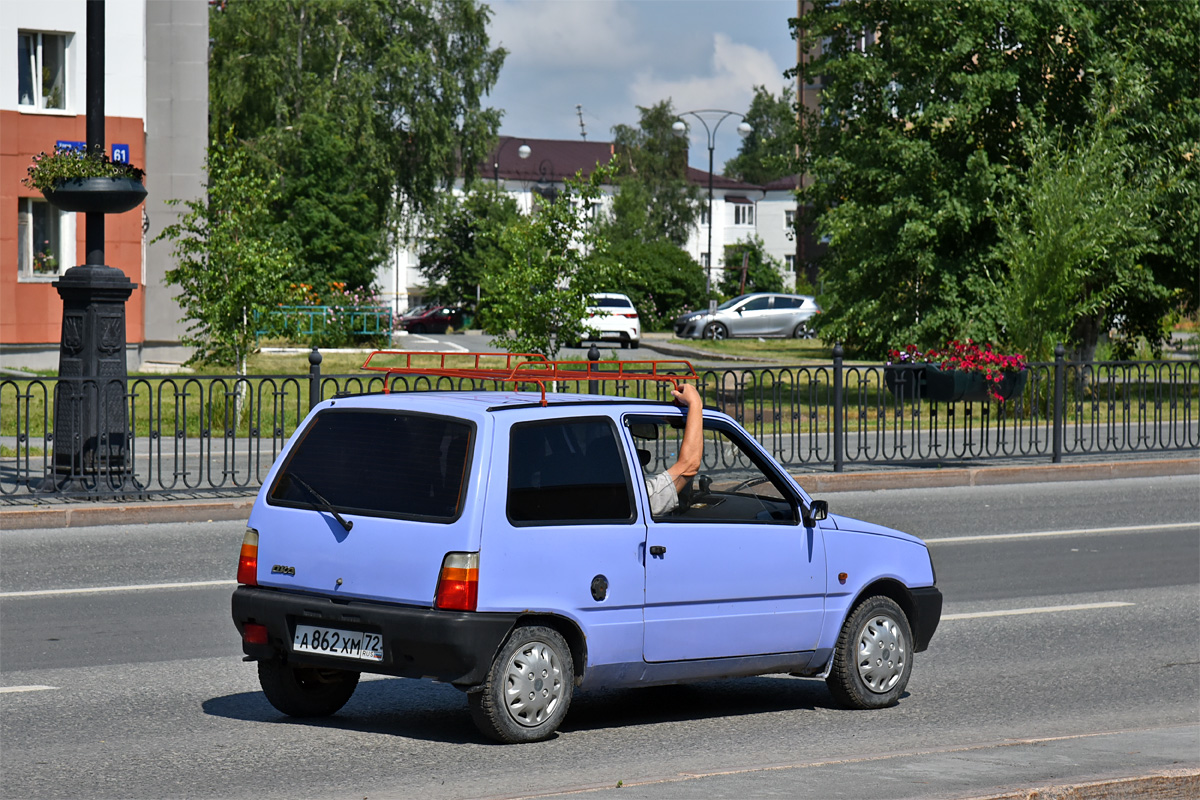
(663, 497)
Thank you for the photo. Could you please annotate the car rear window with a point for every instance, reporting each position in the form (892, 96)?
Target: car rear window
(379, 463)
(568, 471)
(612, 302)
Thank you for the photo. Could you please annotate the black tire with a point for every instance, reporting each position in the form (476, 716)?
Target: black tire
(624, 344)
(716, 331)
(873, 658)
(528, 688)
(304, 691)
(635, 344)
(802, 331)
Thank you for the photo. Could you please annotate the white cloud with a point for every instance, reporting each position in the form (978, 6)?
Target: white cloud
(570, 35)
(736, 70)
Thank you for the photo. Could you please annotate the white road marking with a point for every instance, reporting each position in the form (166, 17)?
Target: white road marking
(1015, 612)
(134, 588)
(991, 537)
(31, 688)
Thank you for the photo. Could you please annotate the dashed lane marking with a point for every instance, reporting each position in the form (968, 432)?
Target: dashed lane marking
(995, 537)
(1016, 612)
(30, 688)
(133, 588)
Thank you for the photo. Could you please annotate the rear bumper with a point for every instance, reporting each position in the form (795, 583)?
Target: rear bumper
(450, 646)
(927, 613)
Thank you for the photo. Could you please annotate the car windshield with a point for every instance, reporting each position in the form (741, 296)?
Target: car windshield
(378, 463)
(733, 302)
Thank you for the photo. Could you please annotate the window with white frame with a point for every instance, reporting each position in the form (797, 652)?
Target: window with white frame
(789, 261)
(704, 215)
(743, 214)
(45, 239)
(42, 70)
(789, 218)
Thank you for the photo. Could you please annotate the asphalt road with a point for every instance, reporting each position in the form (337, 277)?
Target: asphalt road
(1067, 654)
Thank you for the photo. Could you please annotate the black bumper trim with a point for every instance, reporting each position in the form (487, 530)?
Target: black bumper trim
(450, 646)
(927, 613)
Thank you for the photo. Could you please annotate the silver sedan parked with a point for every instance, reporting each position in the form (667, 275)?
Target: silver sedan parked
(759, 314)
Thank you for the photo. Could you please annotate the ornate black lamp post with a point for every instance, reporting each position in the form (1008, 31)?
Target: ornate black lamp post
(91, 409)
(523, 151)
(681, 129)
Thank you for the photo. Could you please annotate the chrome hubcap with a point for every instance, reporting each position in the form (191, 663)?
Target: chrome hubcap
(882, 653)
(533, 685)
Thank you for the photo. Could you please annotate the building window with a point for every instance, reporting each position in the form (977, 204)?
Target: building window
(704, 260)
(42, 70)
(704, 215)
(789, 261)
(789, 218)
(45, 239)
(743, 215)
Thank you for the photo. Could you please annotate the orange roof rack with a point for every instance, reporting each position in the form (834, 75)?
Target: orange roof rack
(530, 368)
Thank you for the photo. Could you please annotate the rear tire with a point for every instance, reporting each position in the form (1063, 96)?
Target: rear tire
(802, 331)
(872, 661)
(305, 691)
(528, 688)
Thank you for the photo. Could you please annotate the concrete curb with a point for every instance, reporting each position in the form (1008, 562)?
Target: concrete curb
(81, 515)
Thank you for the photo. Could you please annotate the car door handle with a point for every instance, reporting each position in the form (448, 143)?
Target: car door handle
(657, 550)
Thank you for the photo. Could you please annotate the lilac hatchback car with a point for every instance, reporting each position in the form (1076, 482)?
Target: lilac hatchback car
(509, 548)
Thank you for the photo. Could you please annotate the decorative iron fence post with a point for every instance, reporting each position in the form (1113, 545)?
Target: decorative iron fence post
(838, 454)
(1059, 352)
(593, 355)
(314, 378)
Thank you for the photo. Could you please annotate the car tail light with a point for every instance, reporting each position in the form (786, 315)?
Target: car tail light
(247, 571)
(630, 316)
(253, 633)
(458, 583)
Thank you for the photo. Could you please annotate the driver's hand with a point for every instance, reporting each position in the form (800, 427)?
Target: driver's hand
(687, 396)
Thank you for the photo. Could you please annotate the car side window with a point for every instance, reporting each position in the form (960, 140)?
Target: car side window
(568, 472)
(789, 302)
(734, 483)
(757, 304)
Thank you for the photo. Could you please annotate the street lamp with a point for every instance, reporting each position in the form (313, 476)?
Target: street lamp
(681, 129)
(523, 151)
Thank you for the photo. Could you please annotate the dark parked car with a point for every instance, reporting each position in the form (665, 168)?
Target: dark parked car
(432, 319)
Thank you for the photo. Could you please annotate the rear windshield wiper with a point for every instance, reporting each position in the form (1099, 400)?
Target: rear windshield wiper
(321, 503)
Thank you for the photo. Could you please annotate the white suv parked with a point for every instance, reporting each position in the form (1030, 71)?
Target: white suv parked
(612, 317)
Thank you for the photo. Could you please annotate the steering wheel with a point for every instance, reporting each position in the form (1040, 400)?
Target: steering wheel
(746, 484)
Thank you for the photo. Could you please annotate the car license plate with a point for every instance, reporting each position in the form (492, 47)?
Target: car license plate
(334, 642)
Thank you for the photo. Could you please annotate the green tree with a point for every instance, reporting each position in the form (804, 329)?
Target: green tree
(365, 108)
(654, 198)
(537, 302)
(922, 136)
(464, 241)
(764, 273)
(769, 151)
(231, 268)
(662, 280)
(1076, 236)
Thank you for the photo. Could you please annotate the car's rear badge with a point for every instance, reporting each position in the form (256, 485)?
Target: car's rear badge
(280, 569)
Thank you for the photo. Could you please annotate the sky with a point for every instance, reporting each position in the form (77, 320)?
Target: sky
(611, 56)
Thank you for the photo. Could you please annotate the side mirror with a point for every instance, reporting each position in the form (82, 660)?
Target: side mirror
(818, 511)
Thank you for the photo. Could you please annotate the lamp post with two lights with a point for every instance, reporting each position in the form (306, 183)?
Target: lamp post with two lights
(680, 128)
(523, 151)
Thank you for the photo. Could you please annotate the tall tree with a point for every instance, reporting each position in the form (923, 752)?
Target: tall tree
(924, 132)
(537, 302)
(231, 267)
(365, 108)
(463, 241)
(769, 151)
(655, 200)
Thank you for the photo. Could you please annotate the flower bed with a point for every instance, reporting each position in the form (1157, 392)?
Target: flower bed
(963, 371)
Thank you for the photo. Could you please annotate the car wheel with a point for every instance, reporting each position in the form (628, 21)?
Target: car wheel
(528, 688)
(624, 344)
(873, 658)
(635, 344)
(802, 331)
(304, 691)
(418, 328)
(716, 331)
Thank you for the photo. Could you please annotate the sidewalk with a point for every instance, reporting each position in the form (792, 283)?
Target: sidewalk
(185, 509)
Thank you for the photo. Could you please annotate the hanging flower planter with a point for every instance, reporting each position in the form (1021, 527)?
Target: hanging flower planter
(89, 183)
(96, 195)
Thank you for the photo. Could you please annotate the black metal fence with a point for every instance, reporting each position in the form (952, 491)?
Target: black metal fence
(213, 435)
